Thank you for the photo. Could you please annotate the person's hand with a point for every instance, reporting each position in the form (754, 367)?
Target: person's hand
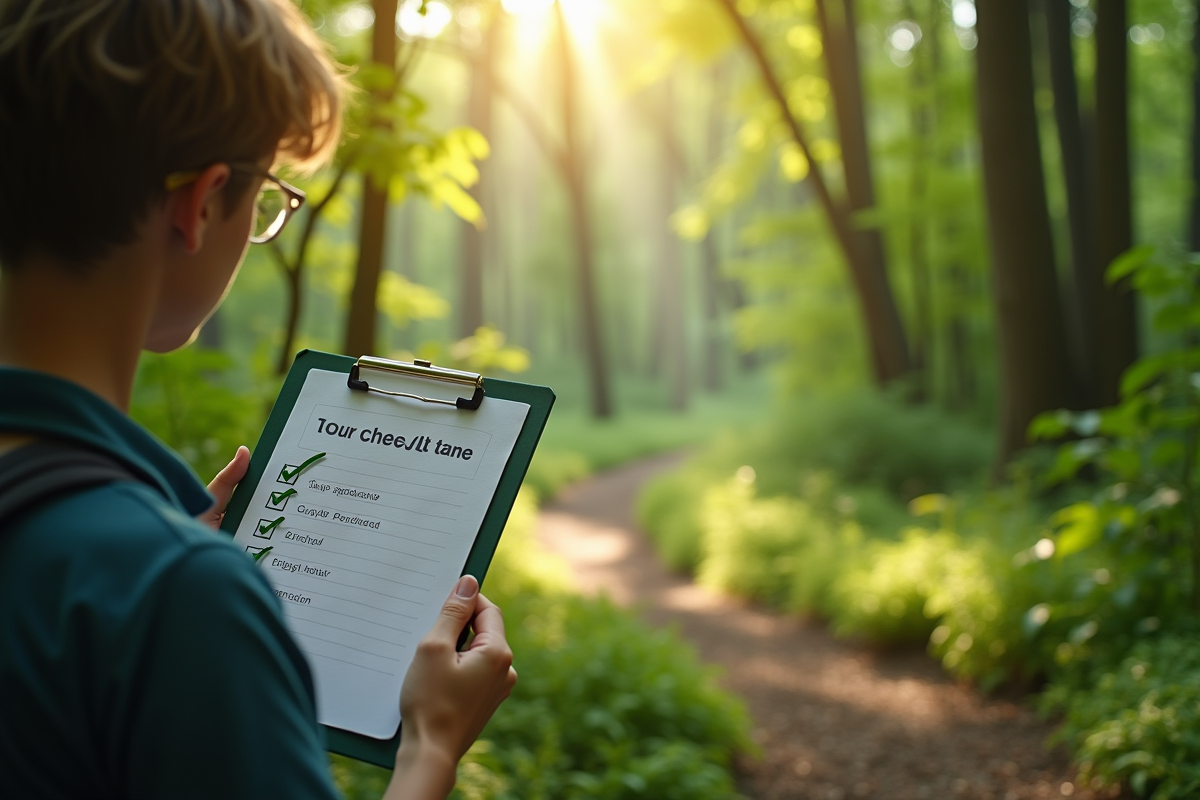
(223, 485)
(448, 696)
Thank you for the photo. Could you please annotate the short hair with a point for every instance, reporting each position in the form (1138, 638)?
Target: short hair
(101, 99)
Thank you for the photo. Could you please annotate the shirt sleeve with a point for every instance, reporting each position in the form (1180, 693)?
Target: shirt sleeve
(224, 701)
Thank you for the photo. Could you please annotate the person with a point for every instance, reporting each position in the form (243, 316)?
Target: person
(141, 654)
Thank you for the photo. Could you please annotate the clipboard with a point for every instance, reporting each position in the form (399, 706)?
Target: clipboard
(360, 375)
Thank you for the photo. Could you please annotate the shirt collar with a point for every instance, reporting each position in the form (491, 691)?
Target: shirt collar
(36, 403)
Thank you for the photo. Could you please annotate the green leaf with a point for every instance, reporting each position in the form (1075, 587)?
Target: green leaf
(1079, 528)
(1124, 462)
(1050, 425)
(1144, 372)
(1167, 452)
(1128, 262)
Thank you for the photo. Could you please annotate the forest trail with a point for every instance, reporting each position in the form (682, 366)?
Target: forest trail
(834, 720)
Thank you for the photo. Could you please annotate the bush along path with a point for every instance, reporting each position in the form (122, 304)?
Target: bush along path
(832, 720)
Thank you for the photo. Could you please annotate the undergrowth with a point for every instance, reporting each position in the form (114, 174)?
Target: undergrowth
(1079, 574)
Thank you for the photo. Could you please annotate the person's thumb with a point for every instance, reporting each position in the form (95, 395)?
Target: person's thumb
(457, 611)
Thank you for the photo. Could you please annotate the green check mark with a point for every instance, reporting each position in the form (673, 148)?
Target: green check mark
(287, 475)
(258, 556)
(278, 498)
(270, 526)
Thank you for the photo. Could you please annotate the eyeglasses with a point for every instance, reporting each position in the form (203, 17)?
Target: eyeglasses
(276, 202)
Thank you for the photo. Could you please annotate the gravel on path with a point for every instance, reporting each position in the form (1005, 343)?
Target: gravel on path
(834, 720)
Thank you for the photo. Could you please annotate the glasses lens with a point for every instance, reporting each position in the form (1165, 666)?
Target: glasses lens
(271, 212)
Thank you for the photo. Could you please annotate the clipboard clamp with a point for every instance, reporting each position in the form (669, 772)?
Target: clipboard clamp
(419, 368)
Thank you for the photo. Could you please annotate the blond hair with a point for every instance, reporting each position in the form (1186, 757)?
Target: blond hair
(101, 99)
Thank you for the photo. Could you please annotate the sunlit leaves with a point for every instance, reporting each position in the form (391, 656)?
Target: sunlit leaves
(805, 40)
(1079, 527)
(486, 351)
(403, 301)
(690, 223)
(792, 163)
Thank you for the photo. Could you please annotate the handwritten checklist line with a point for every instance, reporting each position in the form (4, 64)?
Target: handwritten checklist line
(365, 589)
(344, 600)
(340, 568)
(376, 476)
(422, 498)
(368, 560)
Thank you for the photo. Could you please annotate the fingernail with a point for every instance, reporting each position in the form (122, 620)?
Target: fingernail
(466, 587)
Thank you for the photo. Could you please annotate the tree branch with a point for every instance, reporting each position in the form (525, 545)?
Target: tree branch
(837, 216)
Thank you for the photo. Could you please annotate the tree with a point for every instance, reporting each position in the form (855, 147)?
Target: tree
(361, 319)
(1074, 147)
(1193, 232)
(888, 343)
(1034, 359)
(479, 117)
(574, 172)
(1116, 330)
(389, 144)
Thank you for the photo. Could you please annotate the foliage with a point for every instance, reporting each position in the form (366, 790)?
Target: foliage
(668, 511)
(777, 550)
(1140, 724)
(884, 594)
(865, 438)
(186, 399)
(551, 470)
(485, 351)
(854, 456)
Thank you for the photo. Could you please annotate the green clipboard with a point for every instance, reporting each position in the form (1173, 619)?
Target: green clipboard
(540, 400)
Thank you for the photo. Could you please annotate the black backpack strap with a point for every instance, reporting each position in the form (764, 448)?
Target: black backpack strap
(45, 468)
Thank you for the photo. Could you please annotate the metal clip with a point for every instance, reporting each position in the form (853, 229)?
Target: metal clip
(419, 368)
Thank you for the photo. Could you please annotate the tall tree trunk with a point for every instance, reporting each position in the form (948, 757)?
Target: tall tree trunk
(1035, 364)
(959, 366)
(574, 170)
(674, 344)
(1074, 151)
(842, 63)
(710, 252)
(362, 314)
(479, 117)
(1193, 232)
(885, 333)
(1116, 314)
(918, 238)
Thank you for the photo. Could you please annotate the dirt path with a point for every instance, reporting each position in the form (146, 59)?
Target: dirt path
(834, 721)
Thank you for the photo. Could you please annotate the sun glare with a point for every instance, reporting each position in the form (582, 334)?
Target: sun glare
(411, 22)
(519, 8)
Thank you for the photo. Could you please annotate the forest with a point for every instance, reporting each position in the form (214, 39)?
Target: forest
(912, 287)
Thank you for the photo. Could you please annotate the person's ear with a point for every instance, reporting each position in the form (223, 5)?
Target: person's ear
(197, 204)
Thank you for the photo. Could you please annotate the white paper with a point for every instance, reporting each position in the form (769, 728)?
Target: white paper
(373, 537)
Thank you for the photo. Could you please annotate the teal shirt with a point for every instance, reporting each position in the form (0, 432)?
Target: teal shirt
(141, 654)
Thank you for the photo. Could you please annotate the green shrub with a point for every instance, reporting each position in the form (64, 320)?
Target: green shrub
(1140, 725)
(551, 470)
(869, 439)
(606, 709)
(185, 399)
(883, 596)
(667, 510)
(776, 550)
